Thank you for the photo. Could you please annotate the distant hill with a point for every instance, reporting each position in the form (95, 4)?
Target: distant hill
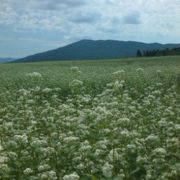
(8, 59)
(100, 49)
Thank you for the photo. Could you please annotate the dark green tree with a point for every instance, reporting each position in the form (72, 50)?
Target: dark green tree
(139, 54)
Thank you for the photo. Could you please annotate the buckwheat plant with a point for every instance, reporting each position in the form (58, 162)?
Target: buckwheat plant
(119, 132)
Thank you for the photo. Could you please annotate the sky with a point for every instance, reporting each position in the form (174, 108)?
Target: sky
(31, 26)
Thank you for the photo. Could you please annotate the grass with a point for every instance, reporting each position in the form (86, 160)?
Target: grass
(116, 120)
(94, 73)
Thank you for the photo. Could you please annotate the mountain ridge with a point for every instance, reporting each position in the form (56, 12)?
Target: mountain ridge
(6, 59)
(95, 49)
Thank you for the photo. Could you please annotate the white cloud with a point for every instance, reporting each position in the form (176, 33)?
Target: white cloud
(141, 20)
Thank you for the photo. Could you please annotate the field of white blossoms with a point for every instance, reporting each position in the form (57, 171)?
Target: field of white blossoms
(115, 120)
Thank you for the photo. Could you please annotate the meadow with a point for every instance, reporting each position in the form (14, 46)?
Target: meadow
(90, 120)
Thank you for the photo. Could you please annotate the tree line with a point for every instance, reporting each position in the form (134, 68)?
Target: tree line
(157, 52)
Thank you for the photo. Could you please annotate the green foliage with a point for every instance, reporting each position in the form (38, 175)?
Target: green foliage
(109, 120)
(164, 52)
(139, 54)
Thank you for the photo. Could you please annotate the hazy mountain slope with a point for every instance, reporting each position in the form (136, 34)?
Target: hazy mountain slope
(101, 49)
(6, 59)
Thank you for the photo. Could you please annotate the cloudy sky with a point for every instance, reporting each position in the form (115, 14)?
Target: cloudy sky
(28, 27)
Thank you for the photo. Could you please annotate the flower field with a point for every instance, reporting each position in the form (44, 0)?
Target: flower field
(114, 120)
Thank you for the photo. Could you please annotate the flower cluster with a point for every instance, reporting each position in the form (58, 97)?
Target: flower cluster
(34, 75)
(121, 132)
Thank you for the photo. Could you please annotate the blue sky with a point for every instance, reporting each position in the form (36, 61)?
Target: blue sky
(28, 27)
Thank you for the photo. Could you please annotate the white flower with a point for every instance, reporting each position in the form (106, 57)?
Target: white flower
(159, 151)
(114, 155)
(162, 122)
(44, 176)
(158, 71)
(140, 70)
(57, 89)
(85, 146)
(3, 159)
(141, 160)
(44, 167)
(28, 171)
(34, 75)
(76, 83)
(102, 144)
(117, 73)
(131, 148)
(4, 168)
(30, 101)
(71, 139)
(124, 120)
(107, 170)
(177, 127)
(21, 138)
(74, 69)
(52, 175)
(73, 176)
(118, 85)
(80, 166)
(152, 138)
(1, 148)
(39, 143)
(125, 133)
(24, 92)
(47, 90)
(12, 155)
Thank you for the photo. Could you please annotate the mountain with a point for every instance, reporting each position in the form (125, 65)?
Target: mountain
(8, 59)
(100, 49)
